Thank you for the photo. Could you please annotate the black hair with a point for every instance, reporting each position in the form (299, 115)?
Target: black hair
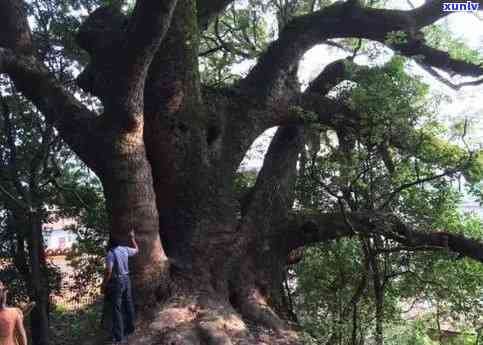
(113, 243)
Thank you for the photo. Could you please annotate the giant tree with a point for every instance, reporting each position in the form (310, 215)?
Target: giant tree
(166, 149)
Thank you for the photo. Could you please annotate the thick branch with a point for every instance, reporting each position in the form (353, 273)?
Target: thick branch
(146, 29)
(73, 120)
(14, 30)
(272, 195)
(121, 56)
(100, 35)
(429, 12)
(311, 108)
(436, 58)
(309, 229)
(338, 21)
(333, 74)
(436, 74)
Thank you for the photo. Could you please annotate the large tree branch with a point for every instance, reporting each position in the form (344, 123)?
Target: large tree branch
(148, 25)
(14, 30)
(311, 107)
(146, 29)
(272, 195)
(73, 120)
(121, 56)
(455, 86)
(341, 20)
(433, 57)
(429, 12)
(304, 229)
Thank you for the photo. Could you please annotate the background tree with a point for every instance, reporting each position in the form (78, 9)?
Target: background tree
(370, 276)
(34, 161)
(29, 149)
(41, 181)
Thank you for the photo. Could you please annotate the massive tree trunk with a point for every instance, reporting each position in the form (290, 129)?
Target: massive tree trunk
(128, 188)
(167, 150)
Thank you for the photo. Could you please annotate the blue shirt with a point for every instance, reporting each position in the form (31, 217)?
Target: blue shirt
(121, 256)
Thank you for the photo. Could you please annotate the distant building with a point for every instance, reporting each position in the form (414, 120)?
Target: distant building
(58, 238)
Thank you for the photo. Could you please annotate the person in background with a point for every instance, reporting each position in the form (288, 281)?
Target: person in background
(11, 322)
(117, 284)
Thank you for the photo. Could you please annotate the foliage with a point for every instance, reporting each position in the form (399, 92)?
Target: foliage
(439, 36)
(239, 34)
(37, 169)
(397, 160)
(85, 203)
(74, 326)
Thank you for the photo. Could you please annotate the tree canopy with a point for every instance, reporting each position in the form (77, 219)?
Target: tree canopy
(353, 214)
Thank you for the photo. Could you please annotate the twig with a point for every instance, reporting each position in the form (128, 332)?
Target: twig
(414, 183)
(13, 198)
(410, 4)
(433, 72)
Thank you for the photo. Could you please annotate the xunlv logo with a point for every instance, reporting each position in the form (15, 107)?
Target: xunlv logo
(460, 6)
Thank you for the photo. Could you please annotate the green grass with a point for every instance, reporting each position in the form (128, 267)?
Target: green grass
(74, 326)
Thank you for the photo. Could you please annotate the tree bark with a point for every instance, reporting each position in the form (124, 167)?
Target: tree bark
(378, 288)
(128, 188)
(167, 154)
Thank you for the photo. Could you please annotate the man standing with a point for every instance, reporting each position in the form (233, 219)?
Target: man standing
(118, 285)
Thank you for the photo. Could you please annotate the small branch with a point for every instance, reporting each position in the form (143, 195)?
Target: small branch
(408, 249)
(356, 50)
(335, 44)
(73, 191)
(18, 202)
(398, 190)
(310, 108)
(433, 72)
(426, 55)
(208, 10)
(228, 47)
(210, 51)
(410, 4)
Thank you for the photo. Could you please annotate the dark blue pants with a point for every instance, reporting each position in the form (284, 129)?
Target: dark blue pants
(122, 308)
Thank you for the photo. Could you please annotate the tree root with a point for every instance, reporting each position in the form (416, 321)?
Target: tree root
(254, 307)
(202, 320)
(211, 320)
